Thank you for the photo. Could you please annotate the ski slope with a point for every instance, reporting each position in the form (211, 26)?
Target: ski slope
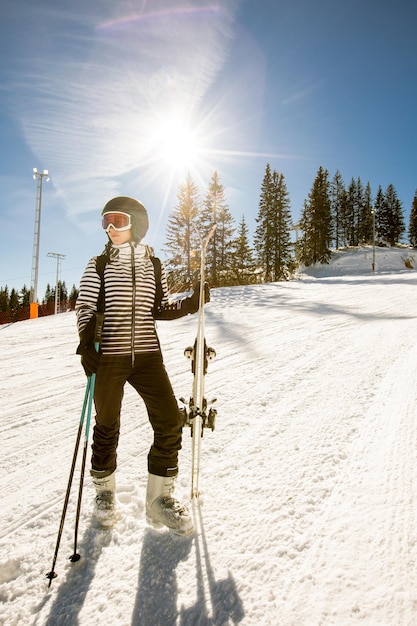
(308, 512)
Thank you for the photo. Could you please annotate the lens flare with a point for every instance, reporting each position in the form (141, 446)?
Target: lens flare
(176, 144)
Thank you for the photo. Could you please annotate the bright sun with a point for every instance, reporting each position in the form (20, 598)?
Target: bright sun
(175, 144)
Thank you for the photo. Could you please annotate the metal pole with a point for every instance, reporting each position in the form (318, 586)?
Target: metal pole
(373, 239)
(36, 238)
(51, 575)
(57, 290)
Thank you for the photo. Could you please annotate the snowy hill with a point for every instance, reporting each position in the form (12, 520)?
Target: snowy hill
(359, 261)
(308, 512)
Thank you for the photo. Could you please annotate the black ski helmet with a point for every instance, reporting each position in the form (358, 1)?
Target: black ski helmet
(135, 209)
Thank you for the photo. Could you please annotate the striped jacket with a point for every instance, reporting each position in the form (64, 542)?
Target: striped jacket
(129, 287)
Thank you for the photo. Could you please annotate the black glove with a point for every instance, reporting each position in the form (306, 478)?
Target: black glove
(190, 304)
(90, 358)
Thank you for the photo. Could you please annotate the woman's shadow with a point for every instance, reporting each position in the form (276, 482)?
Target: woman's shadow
(156, 599)
(157, 594)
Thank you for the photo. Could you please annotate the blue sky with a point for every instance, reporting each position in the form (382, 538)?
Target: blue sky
(98, 93)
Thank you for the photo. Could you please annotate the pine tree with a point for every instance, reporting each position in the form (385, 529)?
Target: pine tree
(263, 233)
(272, 236)
(243, 263)
(316, 223)
(412, 231)
(25, 296)
(282, 222)
(391, 220)
(219, 272)
(351, 214)
(14, 300)
(216, 211)
(359, 211)
(4, 299)
(49, 294)
(366, 220)
(378, 213)
(63, 291)
(74, 293)
(182, 241)
(337, 203)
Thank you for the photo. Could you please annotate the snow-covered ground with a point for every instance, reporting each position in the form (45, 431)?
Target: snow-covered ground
(308, 512)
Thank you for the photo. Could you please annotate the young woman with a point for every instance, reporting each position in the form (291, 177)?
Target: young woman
(135, 294)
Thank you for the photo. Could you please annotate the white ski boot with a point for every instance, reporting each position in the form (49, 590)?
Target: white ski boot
(162, 509)
(105, 504)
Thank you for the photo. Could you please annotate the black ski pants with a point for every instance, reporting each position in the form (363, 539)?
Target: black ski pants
(150, 379)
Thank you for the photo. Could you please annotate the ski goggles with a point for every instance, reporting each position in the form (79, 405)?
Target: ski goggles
(119, 221)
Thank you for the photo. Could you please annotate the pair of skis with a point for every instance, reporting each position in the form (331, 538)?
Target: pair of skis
(196, 412)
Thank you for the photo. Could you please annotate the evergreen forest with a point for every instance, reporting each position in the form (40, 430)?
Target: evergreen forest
(335, 215)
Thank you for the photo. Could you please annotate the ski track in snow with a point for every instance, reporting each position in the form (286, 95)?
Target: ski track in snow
(307, 516)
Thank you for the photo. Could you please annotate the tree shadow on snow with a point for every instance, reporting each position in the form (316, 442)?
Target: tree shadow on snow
(72, 592)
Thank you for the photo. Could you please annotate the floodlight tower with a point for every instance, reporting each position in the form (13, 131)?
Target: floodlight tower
(58, 258)
(39, 176)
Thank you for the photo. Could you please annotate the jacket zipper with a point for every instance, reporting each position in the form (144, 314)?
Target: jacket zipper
(132, 257)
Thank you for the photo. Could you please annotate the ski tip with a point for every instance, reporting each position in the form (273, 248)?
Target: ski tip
(75, 557)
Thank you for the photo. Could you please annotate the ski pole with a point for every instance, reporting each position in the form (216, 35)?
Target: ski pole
(97, 339)
(75, 556)
(52, 574)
